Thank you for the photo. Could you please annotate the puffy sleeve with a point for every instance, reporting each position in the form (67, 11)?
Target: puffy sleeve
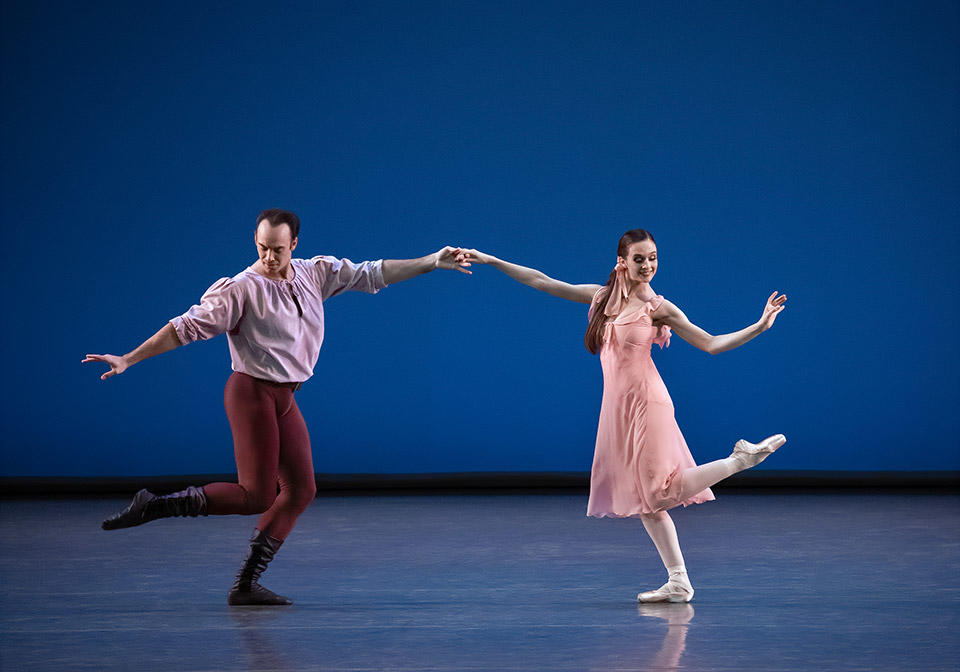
(342, 275)
(663, 332)
(219, 310)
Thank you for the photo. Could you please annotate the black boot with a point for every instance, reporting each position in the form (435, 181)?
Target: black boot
(146, 506)
(246, 591)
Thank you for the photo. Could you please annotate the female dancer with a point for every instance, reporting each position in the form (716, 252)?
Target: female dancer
(642, 466)
(272, 313)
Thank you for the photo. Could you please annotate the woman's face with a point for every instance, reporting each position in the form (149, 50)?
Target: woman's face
(641, 261)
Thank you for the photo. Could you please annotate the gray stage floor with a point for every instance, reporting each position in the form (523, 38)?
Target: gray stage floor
(501, 582)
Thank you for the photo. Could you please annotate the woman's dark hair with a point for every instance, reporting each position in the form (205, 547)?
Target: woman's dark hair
(276, 217)
(594, 335)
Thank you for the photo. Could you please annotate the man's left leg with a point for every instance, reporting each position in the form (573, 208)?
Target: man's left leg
(297, 489)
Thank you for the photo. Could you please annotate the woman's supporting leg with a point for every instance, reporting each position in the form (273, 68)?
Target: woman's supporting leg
(745, 455)
(663, 532)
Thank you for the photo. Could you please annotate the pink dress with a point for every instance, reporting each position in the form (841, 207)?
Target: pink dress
(640, 453)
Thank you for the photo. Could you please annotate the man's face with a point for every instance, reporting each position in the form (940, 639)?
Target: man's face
(275, 246)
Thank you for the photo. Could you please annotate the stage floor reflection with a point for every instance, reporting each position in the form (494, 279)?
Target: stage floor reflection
(490, 582)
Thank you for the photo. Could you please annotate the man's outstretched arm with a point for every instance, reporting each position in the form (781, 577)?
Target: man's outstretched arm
(163, 341)
(398, 270)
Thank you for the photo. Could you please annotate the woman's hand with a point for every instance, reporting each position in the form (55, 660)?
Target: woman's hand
(475, 256)
(775, 304)
(451, 258)
(117, 364)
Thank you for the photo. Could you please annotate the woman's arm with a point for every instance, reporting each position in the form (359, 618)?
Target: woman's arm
(163, 341)
(534, 278)
(674, 318)
(398, 270)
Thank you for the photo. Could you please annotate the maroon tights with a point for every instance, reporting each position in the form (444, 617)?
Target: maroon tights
(272, 448)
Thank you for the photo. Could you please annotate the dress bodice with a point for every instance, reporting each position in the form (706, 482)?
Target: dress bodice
(625, 353)
(633, 332)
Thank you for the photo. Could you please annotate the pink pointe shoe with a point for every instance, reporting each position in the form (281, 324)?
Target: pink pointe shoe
(752, 454)
(677, 589)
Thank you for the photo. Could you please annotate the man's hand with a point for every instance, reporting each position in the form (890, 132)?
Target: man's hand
(117, 364)
(451, 258)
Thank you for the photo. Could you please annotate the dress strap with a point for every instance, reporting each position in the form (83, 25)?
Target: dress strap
(655, 302)
(663, 332)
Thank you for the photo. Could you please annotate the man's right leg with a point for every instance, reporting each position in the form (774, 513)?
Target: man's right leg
(251, 410)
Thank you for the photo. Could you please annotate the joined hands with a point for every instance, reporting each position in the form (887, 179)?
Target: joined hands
(451, 258)
(468, 256)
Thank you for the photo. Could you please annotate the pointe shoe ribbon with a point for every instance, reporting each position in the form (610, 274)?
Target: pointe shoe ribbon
(676, 589)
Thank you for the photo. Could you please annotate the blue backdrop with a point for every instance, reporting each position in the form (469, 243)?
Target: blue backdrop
(808, 147)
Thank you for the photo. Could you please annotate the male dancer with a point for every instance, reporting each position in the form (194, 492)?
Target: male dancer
(272, 313)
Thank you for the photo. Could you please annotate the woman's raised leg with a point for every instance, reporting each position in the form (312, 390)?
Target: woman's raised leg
(745, 455)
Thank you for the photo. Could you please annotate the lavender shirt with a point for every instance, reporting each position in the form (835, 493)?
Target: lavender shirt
(268, 337)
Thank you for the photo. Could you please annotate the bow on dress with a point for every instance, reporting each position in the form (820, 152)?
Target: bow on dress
(620, 291)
